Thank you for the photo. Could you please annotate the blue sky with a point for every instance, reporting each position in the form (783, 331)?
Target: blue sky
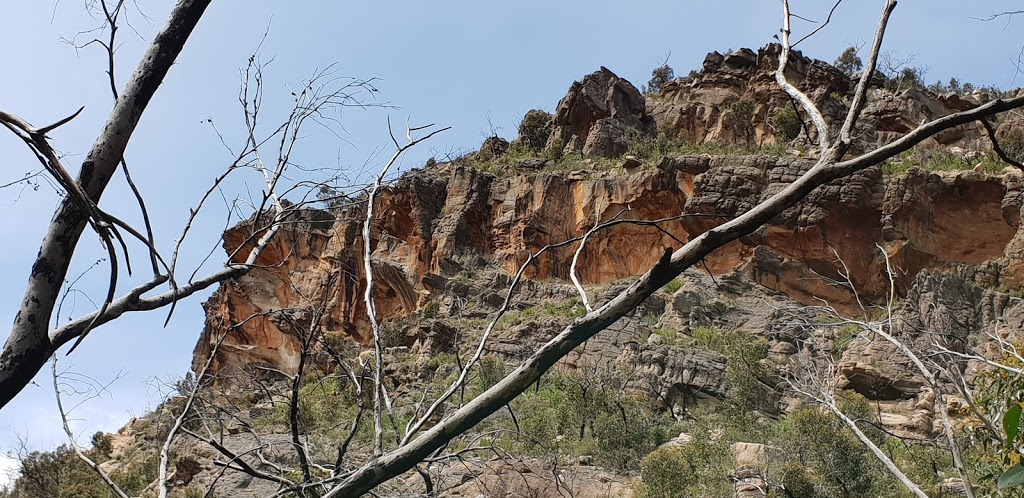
(466, 64)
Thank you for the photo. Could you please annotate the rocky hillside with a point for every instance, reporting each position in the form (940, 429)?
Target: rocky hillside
(698, 152)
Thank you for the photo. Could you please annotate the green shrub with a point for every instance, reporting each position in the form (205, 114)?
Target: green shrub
(796, 483)
(841, 464)
(540, 416)
(786, 124)
(440, 359)
(740, 118)
(670, 336)
(57, 474)
(698, 468)
(933, 159)
(431, 309)
(573, 414)
(555, 151)
(625, 431)
(392, 335)
(673, 285)
(102, 445)
(534, 129)
(492, 370)
(1012, 143)
(645, 146)
(750, 381)
(665, 473)
(659, 77)
(844, 336)
(849, 62)
(137, 473)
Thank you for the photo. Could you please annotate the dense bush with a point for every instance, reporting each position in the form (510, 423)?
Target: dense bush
(751, 383)
(840, 464)
(645, 146)
(61, 474)
(625, 431)
(534, 129)
(697, 468)
(740, 119)
(1012, 143)
(786, 124)
(572, 414)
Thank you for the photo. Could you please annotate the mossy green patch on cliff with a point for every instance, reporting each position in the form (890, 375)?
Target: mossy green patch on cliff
(943, 159)
(648, 149)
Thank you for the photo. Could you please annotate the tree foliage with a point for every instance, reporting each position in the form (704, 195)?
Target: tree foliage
(849, 62)
(787, 124)
(534, 129)
(660, 76)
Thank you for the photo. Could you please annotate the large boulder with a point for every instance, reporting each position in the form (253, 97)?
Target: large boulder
(599, 116)
(680, 377)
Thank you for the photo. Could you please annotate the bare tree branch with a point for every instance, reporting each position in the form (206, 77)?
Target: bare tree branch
(820, 387)
(74, 442)
(29, 346)
(371, 310)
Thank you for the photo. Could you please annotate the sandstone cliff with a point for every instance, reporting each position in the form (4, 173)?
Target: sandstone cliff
(440, 224)
(437, 222)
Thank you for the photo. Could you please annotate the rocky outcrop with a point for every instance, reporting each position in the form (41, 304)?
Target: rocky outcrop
(704, 108)
(954, 308)
(735, 99)
(448, 238)
(530, 478)
(597, 116)
(679, 377)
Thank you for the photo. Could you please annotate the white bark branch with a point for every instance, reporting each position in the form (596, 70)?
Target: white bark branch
(74, 442)
(794, 92)
(940, 401)
(860, 95)
(371, 309)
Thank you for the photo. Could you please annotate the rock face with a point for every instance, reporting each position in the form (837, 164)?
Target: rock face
(530, 478)
(680, 377)
(597, 116)
(437, 223)
(702, 109)
(434, 224)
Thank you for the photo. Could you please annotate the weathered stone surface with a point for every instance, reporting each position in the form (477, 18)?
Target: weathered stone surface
(947, 308)
(679, 377)
(494, 146)
(698, 109)
(533, 163)
(530, 479)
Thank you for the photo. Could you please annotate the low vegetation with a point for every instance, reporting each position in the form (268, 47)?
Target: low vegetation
(593, 415)
(943, 159)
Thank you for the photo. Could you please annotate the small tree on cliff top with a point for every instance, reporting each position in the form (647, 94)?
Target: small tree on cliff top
(32, 342)
(849, 62)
